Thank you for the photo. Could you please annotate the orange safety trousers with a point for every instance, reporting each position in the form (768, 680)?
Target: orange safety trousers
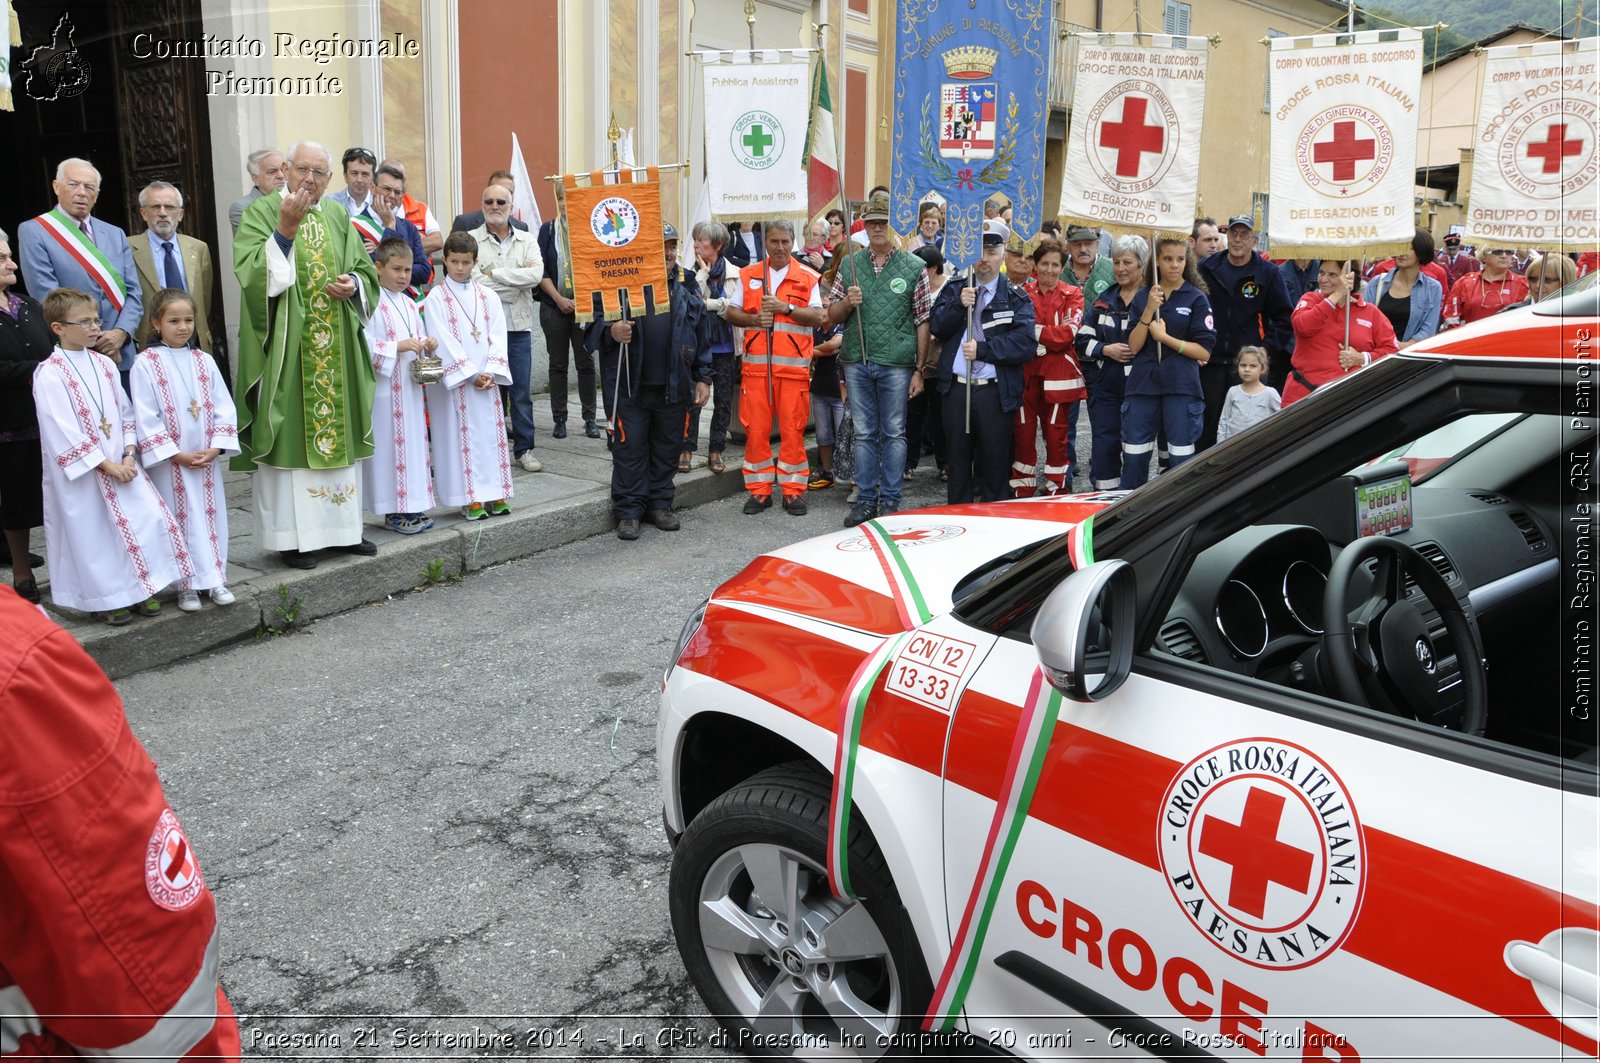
(791, 403)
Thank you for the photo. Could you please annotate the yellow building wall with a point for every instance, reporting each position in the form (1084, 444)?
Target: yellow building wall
(336, 122)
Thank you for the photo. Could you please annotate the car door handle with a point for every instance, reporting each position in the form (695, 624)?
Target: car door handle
(1563, 970)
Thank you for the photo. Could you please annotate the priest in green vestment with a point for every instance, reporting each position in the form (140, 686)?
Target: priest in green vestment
(305, 381)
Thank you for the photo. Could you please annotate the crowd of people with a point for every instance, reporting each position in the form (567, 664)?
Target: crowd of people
(385, 365)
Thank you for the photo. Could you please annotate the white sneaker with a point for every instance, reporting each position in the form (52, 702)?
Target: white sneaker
(222, 596)
(189, 601)
(530, 463)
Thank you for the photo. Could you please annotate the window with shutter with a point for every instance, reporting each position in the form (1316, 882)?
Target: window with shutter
(1177, 18)
(1266, 104)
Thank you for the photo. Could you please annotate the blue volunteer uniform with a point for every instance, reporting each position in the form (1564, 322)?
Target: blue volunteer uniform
(1163, 387)
(1252, 308)
(1108, 320)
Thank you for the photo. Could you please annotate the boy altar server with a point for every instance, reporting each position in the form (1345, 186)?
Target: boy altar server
(397, 481)
(112, 542)
(471, 461)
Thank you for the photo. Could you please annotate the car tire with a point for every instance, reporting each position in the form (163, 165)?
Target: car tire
(844, 979)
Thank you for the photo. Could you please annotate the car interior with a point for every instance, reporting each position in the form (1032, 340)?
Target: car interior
(1474, 501)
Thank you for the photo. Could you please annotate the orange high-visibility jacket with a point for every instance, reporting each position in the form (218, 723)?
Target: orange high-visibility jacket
(791, 341)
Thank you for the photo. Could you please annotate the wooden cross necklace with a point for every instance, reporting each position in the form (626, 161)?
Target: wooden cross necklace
(105, 424)
(471, 318)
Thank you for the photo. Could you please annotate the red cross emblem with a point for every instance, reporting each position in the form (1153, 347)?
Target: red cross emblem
(1345, 150)
(1555, 147)
(1251, 847)
(1130, 137)
(171, 873)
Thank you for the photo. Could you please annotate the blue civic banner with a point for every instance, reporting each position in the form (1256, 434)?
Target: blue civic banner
(970, 114)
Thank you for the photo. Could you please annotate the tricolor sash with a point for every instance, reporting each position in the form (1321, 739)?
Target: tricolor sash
(83, 251)
(367, 227)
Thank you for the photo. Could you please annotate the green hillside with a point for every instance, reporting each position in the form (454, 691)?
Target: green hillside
(1471, 20)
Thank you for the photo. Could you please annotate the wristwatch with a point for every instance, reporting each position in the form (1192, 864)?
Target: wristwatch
(788, 308)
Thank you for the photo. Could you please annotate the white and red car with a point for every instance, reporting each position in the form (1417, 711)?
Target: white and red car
(1322, 784)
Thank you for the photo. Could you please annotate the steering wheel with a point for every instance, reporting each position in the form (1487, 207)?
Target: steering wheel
(1384, 657)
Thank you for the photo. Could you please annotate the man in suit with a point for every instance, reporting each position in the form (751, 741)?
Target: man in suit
(66, 248)
(165, 258)
(465, 223)
(356, 196)
(266, 168)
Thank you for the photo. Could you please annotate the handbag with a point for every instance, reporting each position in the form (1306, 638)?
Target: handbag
(428, 368)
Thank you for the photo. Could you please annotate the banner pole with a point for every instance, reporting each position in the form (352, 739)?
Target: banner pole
(766, 293)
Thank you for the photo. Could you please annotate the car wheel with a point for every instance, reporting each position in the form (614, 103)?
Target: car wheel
(787, 968)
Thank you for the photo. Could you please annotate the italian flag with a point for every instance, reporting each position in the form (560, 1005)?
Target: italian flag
(821, 157)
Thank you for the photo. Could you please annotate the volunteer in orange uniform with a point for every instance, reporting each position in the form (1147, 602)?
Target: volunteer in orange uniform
(108, 934)
(781, 300)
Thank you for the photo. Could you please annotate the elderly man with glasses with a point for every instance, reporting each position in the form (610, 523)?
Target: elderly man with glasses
(68, 248)
(305, 380)
(166, 258)
(509, 264)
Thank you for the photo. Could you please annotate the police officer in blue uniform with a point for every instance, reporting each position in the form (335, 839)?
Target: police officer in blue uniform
(1104, 354)
(1252, 309)
(1174, 334)
(987, 363)
(652, 368)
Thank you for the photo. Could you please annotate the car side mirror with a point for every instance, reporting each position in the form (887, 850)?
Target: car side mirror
(1085, 629)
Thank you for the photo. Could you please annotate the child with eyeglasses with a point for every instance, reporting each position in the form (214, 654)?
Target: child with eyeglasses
(112, 542)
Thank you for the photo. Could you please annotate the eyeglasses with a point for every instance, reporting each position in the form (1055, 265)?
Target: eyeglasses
(162, 208)
(312, 171)
(87, 322)
(497, 202)
(359, 155)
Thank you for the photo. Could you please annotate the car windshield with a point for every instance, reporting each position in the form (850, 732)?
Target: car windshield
(1431, 451)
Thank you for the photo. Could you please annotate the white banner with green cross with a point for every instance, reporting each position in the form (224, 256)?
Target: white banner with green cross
(756, 113)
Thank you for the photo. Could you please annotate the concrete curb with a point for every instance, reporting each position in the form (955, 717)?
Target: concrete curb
(343, 582)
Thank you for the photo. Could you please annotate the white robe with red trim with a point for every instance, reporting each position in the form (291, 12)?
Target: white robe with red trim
(110, 544)
(471, 459)
(398, 478)
(181, 405)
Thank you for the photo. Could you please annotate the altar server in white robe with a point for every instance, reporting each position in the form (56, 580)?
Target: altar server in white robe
(112, 541)
(186, 423)
(471, 461)
(397, 481)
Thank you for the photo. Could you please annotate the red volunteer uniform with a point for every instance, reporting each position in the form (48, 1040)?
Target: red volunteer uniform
(1319, 333)
(108, 934)
(1473, 298)
(1050, 382)
(790, 362)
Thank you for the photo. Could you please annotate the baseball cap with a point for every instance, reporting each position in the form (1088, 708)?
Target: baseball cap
(931, 256)
(668, 232)
(1242, 219)
(876, 208)
(1082, 232)
(1016, 244)
(995, 231)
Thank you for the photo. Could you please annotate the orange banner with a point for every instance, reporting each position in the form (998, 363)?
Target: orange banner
(619, 266)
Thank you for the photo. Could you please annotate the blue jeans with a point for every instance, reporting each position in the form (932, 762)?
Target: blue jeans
(878, 411)
(519, 352)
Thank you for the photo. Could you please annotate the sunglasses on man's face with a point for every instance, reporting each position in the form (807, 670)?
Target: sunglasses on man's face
(359, 155)
(497, 202)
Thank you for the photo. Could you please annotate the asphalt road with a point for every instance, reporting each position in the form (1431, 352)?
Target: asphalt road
(439, 814)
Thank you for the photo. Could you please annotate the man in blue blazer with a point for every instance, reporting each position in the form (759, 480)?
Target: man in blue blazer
(66, 248)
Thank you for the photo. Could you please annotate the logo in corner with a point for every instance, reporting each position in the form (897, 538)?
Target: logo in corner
(1261, 847)
(171, 871)
(57, 71)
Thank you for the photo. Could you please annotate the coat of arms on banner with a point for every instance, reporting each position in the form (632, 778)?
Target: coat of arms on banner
(966, 121)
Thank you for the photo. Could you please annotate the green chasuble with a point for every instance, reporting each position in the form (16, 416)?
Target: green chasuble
(303, 381)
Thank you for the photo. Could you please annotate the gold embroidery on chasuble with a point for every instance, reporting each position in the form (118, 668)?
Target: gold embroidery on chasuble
(321, 347)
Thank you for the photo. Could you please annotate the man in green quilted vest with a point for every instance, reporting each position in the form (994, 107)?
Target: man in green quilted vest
(882, 295)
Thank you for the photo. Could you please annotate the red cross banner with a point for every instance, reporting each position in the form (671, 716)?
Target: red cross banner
(758, 107)
(1344, 114)
(1534, 167)
(1134, 148)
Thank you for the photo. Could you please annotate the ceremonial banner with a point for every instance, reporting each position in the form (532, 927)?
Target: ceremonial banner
(1344, 143)
(619, 264)
(1535, 166)
(756, 118)
(1133, 154)
(970, 114)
